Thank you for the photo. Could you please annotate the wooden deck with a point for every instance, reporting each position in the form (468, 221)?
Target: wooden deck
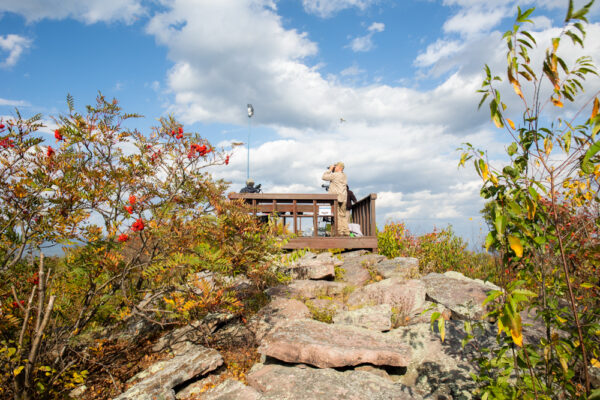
(314, 209)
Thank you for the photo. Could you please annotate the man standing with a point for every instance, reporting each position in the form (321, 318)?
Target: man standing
(338, 185)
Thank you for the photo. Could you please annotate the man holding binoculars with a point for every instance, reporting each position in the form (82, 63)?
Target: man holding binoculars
(335, 174)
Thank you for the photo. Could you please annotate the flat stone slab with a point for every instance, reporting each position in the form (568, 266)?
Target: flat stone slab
(462, 295)
(307, 289)
(332, 345)
(158, 381)
(399, 267)
(276, 312)
(300, 383)
(231, 389)
(376, 318)
(408, 297)
(356, 268)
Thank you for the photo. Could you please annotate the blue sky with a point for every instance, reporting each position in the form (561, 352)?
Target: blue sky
(402, 74)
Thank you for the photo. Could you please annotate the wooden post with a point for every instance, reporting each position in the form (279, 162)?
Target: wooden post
(295, 213)
(315, 218)
(334, 225)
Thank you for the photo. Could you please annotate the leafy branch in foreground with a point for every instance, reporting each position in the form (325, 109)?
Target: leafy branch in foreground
(543, 216)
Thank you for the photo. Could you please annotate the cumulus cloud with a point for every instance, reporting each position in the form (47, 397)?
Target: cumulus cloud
(14, 45)
(365, 43)
(88, 11)
(327, 8)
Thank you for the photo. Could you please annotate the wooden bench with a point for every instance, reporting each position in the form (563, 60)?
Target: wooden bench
(298, 207)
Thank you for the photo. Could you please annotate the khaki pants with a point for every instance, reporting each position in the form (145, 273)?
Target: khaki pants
(342, 220)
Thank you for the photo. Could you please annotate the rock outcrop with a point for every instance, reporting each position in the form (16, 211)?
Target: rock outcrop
(332, 345)
(158, 382)
(301, 383)
(379, 343)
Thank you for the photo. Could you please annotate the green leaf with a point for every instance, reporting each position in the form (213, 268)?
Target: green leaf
(567, 141)
(512, 149)
(489, 240)
(521, 18)
(500, 224)
(587, 285)
(494, 294)
(586, 165)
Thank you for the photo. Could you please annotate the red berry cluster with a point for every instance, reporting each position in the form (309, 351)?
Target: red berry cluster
(16, 305)
(177, 134)
(200, 150)
(6, 143)
(138, 225)
(58, 135)
(123, 238)
(227, 160)
(50, 152)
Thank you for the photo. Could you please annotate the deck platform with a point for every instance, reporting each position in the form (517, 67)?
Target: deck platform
(297, 207)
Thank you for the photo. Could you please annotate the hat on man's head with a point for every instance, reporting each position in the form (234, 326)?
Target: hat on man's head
(250, 182)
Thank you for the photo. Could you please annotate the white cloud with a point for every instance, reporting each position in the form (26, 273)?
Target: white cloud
(365, 43)
(327, 8)
(14, 45)
(398, 141)
(88, 11)
(353, 70)
(376, 27)
(14, 103)
(437, 51)
(474, 21)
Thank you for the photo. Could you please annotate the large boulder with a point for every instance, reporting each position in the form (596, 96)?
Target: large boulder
(332, 345)
(407, 297)
(276, 312)
(399, 267)
(231, 389)
(442, 369)
(358, 269)
(190, 361)
(376, 318)
(299, 383)
(307, 289)
(462, 295)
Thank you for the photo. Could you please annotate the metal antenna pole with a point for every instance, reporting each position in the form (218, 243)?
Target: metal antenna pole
(248, 156)
(250, 114)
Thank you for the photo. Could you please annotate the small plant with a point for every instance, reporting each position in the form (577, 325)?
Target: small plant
(325, 314)
(340, 273)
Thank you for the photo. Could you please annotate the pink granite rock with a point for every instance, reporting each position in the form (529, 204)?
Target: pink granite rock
(406, 296)
(331, 345)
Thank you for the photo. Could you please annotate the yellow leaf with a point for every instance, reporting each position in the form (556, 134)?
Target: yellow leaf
(517, 88)
(548, 146)
(517, 337)
(595, 363)
(497, 121)
(494, 179)
(18, 370)
(512, 124)
(595, 109)
(500, 326)
(557, 102)
(485, 172)
(515, 245)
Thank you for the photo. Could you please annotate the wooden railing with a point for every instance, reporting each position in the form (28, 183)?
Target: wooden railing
(296, 207)
(363, 214)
